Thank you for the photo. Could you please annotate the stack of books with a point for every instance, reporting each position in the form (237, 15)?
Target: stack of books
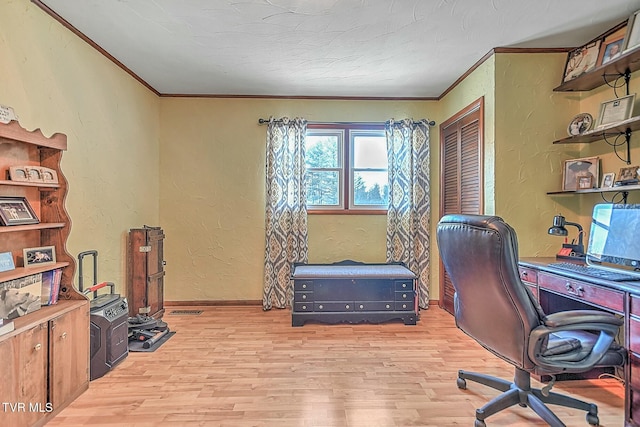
(50, 286)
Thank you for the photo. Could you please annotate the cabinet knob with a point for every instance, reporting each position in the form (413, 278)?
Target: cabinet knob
(347, 306)
(387, 306)
(304, 297)
(304, 286)
(37, 347)
(361, 306)
(304, 307)
(64, 335)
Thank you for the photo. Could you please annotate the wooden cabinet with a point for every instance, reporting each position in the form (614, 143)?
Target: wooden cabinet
(145, 271)
(45, 360)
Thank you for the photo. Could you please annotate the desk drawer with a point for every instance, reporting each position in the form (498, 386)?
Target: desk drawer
(528, 275)
(583, 291)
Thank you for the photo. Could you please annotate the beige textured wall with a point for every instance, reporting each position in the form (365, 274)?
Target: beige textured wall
(212, 198)
(58, 83)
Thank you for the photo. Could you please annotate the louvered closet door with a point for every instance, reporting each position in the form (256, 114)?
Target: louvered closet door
(461, 176)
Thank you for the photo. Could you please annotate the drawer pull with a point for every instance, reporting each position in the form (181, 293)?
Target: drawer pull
(361, 306)
(347, 306)
(304, 307)
(404, 296)
(320, 306)
(304, 297)
(388, 306)
(579, 291)
(304, 286)
(37, 347)
(64, 335)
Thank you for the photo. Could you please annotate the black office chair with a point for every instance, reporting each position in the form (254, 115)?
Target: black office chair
(495, 308)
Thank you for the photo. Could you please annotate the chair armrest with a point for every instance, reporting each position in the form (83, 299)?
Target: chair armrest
(605, 325)
(574, 317)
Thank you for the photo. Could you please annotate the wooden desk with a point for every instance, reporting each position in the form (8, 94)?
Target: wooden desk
(562, 290)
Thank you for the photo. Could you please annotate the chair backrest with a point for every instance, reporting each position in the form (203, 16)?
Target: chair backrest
(491, 304)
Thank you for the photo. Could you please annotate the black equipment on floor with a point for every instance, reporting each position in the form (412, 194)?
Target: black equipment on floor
(108, 316)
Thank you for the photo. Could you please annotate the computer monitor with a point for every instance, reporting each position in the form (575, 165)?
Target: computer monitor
(614, 240)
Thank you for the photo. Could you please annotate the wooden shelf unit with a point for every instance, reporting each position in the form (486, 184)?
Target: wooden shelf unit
(45, 359)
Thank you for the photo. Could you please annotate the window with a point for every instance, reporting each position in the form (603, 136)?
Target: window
(347, 169)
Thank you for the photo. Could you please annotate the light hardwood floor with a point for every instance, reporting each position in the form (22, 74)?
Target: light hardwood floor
(241, 366)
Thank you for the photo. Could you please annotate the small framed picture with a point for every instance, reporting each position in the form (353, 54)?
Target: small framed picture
(16, 211)
(580, 124)
(577, 168)
(585, 182)
(630, 172)
(616, 110)
(34, 257)
(18, 173)
(632, 38)
(608, 180)
(49, 176)
(581, 60)
(34, 174)
(612, 45)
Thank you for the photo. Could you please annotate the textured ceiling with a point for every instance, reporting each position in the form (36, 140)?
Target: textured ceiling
(326, 48)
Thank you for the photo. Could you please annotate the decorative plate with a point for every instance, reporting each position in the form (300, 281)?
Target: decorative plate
(580, 124)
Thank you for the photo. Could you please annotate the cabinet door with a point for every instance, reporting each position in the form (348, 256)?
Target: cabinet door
(69, 357)
(23, 388)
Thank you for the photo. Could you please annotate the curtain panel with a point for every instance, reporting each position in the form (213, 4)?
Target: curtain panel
(409, 211)
(286, 209)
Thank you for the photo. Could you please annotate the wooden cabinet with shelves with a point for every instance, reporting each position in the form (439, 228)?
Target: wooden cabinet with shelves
(45, 360)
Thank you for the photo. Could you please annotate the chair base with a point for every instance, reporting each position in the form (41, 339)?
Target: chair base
(520, 392)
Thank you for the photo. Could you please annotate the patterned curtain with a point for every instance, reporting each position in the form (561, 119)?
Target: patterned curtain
(286, 209)
(408, 216)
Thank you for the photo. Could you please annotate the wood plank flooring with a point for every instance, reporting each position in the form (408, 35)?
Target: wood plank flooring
(241, 366)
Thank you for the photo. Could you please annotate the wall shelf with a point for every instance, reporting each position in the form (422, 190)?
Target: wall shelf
(19, 272)
(41, 226)
(593, 135)
(625, 63)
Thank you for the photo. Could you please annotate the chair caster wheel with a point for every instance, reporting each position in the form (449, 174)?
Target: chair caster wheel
(593, 420)
(479, 423)
(523, 405)
(461, 383)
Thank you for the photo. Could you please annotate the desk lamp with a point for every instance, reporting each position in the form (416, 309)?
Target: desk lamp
(569, 250)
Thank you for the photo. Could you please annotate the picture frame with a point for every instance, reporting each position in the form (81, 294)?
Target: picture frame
(576, 168)
(615, 110)
(6, 262)
(16, 211)
(585, 182)
(630, 172)
(581, 60)
(580, 124)
(49, 176)
(18, 174)
(632, 36)
(612, 45)
(35, 257)
(608, 179)
(34, 174)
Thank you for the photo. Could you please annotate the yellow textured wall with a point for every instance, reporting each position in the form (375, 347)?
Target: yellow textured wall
(212, 160)
(58, 83)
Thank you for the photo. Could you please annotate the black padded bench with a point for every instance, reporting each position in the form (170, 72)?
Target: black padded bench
(353, 292)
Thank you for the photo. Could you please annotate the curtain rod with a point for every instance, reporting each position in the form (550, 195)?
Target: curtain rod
(262, 121)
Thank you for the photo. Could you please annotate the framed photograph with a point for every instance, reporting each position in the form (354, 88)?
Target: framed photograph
(612, 45)
(585, 182)
(632, 37)
(34, 174)
(608, 180)
(16, 211)
(581, 60)
(578, 168)
(580, 124)
(628, 173)
(616, 110)
(49, 176)
(18, 173)
(34, 257)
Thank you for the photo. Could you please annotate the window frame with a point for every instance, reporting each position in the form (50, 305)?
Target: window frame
(346, 174)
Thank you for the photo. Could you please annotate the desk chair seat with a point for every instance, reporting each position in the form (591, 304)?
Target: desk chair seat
(492, 306)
